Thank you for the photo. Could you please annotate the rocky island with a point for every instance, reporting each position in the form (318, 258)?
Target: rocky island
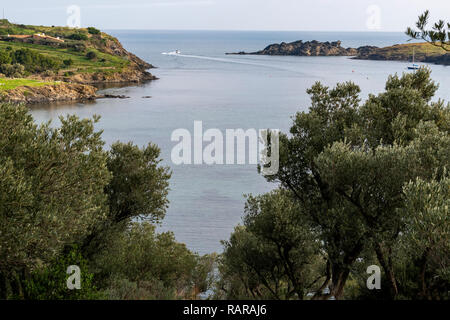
(46, 64)
(308, 48)
(423, 52)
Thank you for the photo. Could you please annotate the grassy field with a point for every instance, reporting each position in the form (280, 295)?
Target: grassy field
(8, 84)
(7, 27)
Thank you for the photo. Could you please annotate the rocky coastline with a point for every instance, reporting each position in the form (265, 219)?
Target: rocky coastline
(423, 52)
(307, 48)
(77, 85)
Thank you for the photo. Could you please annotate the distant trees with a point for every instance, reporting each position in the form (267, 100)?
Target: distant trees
(77, 36)
(439, 35)
(15, 63)
(352, 173)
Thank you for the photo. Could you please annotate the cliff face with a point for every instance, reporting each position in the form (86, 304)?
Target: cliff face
(308, 48)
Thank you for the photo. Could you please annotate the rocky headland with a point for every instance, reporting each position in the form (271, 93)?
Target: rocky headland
(78, 61)
(307, 48)
(423, 52)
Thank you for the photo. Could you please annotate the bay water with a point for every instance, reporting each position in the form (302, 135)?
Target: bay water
(224, 92)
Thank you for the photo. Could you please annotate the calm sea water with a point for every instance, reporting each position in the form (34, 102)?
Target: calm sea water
(206, 202)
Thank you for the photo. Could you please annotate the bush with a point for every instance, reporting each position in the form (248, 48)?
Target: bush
(143, 264)
(48, 73)
(33, 61)
(93, 30)
(91, 55)
(51, 282)
(79, 47)
(78, 36)
(68, 62)
(12, 70)
(5, 57)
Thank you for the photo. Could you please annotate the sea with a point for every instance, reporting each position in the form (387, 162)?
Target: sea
(201, 83)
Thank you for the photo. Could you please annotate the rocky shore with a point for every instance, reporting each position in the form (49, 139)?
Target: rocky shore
(308, 48)
(50, 93)
(423, 52)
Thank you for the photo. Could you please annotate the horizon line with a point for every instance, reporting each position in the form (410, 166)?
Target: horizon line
(252, 30)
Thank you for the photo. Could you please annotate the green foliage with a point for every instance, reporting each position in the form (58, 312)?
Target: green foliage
(78, 36)
(427, 238)
(438, 36)
(273, 255)
(346, 164)
(8, 84)
(142, 264)
(91, 55)
(60, 188)
(32, 61)
(51, 189)
(69, 49)
(68, 62)
(139, 186)
(93, 30)
(12, 70)
(5, 57)
(49, 283)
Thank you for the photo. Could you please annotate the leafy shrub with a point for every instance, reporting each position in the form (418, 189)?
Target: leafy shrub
(68, 62)
(48, 73)
(91, 55)
(12, 70)
(34, 61)
(51, 282)
(93, 30)
(5, 57)
(78, 36)
(78, 47)
(143, 264)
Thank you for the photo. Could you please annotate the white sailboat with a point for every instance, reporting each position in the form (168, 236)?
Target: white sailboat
(414, 66)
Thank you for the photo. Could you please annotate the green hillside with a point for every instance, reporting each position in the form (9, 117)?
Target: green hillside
(85, 50)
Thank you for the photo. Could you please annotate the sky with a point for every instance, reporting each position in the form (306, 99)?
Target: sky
(296, 15)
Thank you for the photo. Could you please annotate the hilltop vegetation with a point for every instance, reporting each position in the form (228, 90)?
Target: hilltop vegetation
(423, 52)
(83, 56)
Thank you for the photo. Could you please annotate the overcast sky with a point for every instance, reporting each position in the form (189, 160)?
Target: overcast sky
(321, 15)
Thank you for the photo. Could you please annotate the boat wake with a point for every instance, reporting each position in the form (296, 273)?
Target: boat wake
(224, 60)
(172, 53)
